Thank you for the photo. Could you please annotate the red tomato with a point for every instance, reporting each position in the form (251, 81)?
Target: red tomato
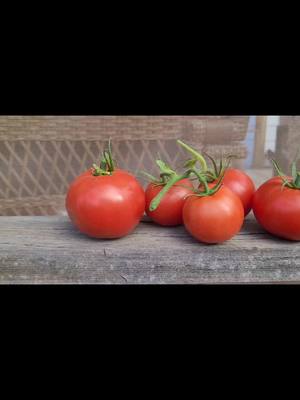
(169, 211)
(106, 206)
(215, 218)
(242, 185)
(277, 209)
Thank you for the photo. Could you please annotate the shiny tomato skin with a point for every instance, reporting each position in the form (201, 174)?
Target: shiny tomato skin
(214, 219)
(242, 185)
(277, 209)
(105, 207)
(169, 211)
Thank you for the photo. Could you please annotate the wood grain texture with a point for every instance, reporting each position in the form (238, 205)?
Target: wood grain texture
(49, 250)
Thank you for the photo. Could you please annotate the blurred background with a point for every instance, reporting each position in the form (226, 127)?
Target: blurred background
(41, 155)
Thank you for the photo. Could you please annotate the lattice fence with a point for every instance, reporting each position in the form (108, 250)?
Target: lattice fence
(40, 156)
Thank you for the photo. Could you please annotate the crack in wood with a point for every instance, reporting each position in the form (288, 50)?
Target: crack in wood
(125, 279)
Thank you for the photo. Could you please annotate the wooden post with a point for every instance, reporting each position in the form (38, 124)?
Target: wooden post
(260, 139)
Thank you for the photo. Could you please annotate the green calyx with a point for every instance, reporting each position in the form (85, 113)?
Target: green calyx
(107, 163)
(211, 174)
(195, 192)
(218, 170)
(168, 177)
(286, 182)
(206, 175)
(203, 184)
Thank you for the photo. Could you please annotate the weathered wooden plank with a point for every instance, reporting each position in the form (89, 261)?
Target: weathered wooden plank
(50, 250)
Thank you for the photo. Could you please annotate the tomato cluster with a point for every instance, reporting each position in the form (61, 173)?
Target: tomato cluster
(106, 202)
(214, 211)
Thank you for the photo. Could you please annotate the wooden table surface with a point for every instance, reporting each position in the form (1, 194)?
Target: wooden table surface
(50, 250)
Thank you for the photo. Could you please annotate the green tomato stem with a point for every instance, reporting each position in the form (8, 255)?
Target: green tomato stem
(107, 166)
(201, 179)
(171, 182)
(197, 155)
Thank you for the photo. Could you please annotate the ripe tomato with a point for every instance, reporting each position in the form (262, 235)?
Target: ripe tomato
(242, 185)
(215, 218)
(277, 209)
(169, 211)
(105, 206)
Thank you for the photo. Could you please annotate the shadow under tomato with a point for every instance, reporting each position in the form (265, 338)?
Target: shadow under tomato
(75, 232)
